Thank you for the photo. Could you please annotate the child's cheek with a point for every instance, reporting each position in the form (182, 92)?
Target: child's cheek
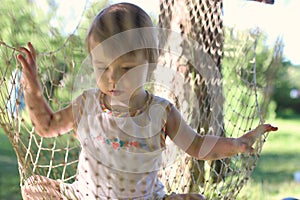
(101, 77)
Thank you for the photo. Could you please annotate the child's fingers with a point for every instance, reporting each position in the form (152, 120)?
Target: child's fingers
(250, 138)
(32, 50)
(269, 127)
(260, 130)
(23, 61)
(264, 128)
(28, 54)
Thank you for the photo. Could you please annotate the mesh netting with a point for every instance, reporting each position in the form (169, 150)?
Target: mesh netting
(214, 98)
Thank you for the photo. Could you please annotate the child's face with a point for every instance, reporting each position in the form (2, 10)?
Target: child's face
(123, 77)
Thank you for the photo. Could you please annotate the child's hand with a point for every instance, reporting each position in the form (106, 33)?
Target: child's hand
(29, 68)
(246, 141)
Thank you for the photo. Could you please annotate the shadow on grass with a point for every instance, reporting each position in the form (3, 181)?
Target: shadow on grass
(288, 116)
(275, 168)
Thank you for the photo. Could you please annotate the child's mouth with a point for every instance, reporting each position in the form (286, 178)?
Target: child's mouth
(115, 92)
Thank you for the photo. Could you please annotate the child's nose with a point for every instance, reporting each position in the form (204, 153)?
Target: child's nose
(113, 76)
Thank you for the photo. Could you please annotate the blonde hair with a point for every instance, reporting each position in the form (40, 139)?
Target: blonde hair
(118, 18)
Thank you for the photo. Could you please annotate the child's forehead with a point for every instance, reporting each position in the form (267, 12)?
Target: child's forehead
(123, 42)
(133, 56)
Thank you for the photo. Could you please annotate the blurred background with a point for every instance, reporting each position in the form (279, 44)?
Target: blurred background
(274, 177)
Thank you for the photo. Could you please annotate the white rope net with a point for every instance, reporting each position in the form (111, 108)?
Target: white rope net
(223, 101)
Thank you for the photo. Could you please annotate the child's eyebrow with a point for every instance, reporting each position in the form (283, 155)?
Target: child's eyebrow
(98, 61)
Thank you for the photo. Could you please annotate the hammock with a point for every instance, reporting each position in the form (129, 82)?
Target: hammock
(225, 100)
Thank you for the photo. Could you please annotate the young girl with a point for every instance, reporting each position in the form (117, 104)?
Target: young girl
(121, 127)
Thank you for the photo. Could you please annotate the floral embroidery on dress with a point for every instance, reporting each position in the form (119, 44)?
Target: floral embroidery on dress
(116, 143)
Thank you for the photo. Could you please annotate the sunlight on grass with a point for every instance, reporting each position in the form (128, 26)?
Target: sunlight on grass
(273, 177)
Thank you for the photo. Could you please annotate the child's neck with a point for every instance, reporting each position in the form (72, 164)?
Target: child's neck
(136, 102)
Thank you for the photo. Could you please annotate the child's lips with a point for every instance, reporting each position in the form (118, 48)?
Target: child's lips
(115, 92)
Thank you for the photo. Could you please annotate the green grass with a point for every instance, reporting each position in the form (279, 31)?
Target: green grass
(9, 175)
(272, 179)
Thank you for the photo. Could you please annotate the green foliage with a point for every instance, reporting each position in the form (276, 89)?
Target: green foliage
(247, 50)
(288, 78)
(22, 21)
(275, 78)
(59, 55)
(242, 87)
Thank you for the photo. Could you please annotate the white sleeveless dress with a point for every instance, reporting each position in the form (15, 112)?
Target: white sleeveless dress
(121, 152)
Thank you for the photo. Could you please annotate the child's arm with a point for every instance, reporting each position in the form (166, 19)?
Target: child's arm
(209, 147)
(46, 122)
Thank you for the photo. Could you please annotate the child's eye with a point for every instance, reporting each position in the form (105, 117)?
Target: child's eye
(101, 68)
(99, 65)
(127, 68)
